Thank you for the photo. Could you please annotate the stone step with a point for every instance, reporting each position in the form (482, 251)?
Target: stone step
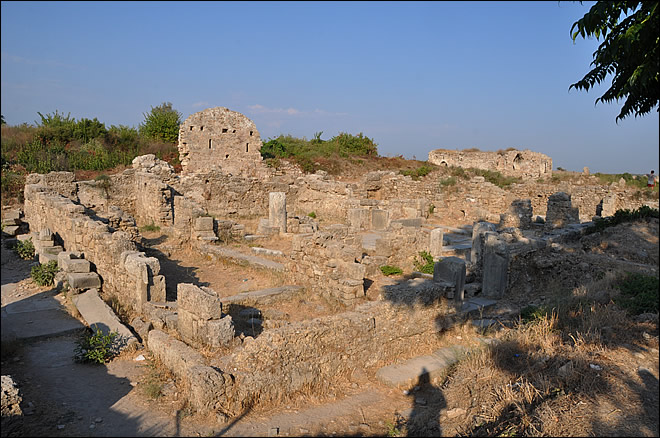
(266, 251)
(98, 314)
(476, 305)
(263, 296)
(239, 256)
(407, 374)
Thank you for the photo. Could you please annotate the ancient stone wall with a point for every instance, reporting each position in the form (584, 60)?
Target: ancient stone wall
(512, 162)
(218, 138)
(126, 272)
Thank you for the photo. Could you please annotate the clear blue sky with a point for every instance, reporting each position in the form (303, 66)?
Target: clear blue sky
(412, 76)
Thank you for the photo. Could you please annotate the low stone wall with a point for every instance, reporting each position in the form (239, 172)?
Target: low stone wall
(126, 272)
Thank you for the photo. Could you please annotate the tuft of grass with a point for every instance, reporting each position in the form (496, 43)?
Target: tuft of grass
(25, 249)
(424, 262)
(312, 215)
(391, 270)
(150, 227)
(44, 274)
(639, 293)
(95, 347)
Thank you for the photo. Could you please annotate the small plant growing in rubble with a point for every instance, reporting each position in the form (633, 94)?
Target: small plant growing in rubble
(639, 293)
(25, 249)
(312, 215)
(390, 270)
(424, 262)
(44, 275)
(95, 347)
(150, 227)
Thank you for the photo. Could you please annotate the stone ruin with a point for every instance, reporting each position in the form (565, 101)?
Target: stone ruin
(382, 219)
(218, 138)
(511, 162)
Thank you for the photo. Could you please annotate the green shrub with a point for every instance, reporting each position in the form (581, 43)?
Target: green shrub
(150, 227)
(621, 216)
(390, 270)
(86, 130)
(533, 313)
(416, 174)
(162, 123)
(312, 215)
(639, 293)
(55, 128)
(93, 346)
(25, 249)
(446, 182)
(424, 262)
(44, 275)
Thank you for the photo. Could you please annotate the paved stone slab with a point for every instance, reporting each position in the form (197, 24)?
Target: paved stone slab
(266, 251)
(253, 260)
(407, 374)
(263, 295)
(98, 314)
(39, 324)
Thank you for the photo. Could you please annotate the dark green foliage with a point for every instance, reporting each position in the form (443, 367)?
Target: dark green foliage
(424, 262)
(621, 216)
(25, 249)
(312, 215)
(87, 129)
(630, 52)
(631, 181)
(44, 275)
(533, 313)
(123, 138)
(446, 182)
(390, 270)
(162, 123)
(55, 128)
(416, 174)
(306, 152)
(95, 347)
(639, 293)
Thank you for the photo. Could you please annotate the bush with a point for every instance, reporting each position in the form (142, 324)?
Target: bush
(312, 215)
(44, 275)
(25, 249)
(639, 293)
(451, 181)
(416, 174)
(621, 216)
(86, 130)
(150, 227)
(424, 262)
(162, 123)
(390, 270)
(95, 347)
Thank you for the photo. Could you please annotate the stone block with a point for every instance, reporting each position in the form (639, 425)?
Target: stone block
(359, 218)
(435, 243)
(478, 231)
(45, 235)
(74, 265)
(157, 288)
(277, 210)
(210, 389)
(204, 303)
(219, 332)
(495, 266)
(174, 354)
(416, 222)
(10, 229)
(45, 258)
(380, 219)
(55, 249)
(84, 280)
(451, 270)
(204, 223)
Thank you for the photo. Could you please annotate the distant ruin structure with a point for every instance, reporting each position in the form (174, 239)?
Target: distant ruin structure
(218, 138)
(510, 162)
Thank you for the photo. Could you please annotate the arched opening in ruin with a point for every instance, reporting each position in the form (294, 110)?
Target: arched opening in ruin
(444, 163)
(516, 161)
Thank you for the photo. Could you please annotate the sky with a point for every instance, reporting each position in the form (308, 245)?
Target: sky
(413, 76)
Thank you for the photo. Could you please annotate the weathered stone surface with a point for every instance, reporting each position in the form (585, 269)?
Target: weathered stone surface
(84, 280)
(204, 303)
(495, 266)
(210, 389)
(74, 265)
(526, 164)
(380, 219)
(219, 332)
(277, 210)
(10, 407)
(451, 270)
(204, 223)
(174, 354)
(478, 231)
(435, 243)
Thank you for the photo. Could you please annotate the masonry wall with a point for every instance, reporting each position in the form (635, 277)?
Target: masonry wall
(125, 272)
(219, 138)
(512, 162)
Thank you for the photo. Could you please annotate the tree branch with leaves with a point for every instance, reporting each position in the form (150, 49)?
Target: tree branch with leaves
(631, 36)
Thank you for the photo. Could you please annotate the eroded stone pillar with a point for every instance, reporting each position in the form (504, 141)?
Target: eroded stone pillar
(435, 245)
(496, 266)
(277, 210)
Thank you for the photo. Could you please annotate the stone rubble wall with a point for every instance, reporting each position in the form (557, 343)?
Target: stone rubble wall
(126, 272)
(525, 164)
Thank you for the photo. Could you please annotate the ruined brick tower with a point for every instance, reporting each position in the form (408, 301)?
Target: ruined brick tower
(218, 138)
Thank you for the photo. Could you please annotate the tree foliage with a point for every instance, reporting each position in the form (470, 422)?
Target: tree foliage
(162, 123)
(629, 52)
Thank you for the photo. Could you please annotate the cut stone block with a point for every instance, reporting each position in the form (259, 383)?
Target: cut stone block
(203, 303)
(435, 244)
(84, 280)
(380, 219)
(74, 265)
(359, 218)
(10, 229)
(204, 223)
(416, 222)
(219, 332)
(451, 270)
(496, 266)
(45, 258)
(277, 210)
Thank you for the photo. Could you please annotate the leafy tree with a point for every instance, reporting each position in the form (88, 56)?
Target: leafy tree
(162, 123)
(629, 52)
(55, 128)
(2, 120)
(87, 129)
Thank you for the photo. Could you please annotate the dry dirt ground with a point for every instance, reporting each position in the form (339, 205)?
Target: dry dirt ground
(535, 381)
